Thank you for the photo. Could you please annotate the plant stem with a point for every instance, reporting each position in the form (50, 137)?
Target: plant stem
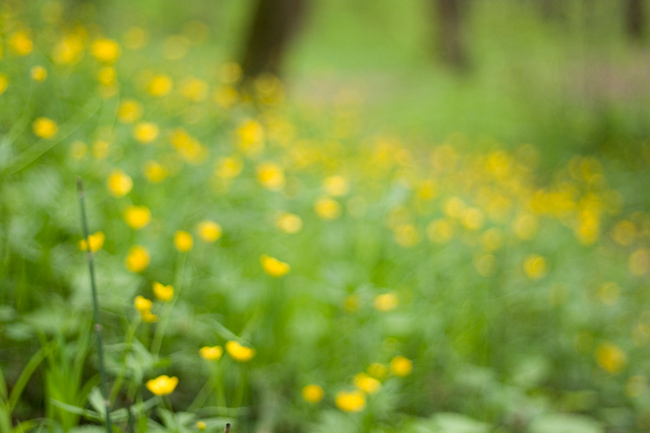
(97, 324)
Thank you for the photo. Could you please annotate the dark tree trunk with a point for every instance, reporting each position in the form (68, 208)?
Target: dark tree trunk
(274, 24)
(451, 16)
(635, 19)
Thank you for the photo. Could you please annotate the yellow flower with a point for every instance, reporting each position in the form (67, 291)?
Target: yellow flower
(440, 231)
(160, 85)
(107, 76)
(38, 73)
(377, 370)
(137, 217)
(406, 235)
(20, 43)
(145, 132)
(354, 401)
(194, 89)
(251, 137)
(336, 186)
(162, 385)
(312, 393)
(96, 241)
(135, 38)
(270, 176)
(386, 302)
(231, 72)
(327, 208)
(142, 304)
(209, 231)
(162, 292)
(228, 168)
(273, 266)
(119, 183)
(154, 172)
(137, 259)
(238, 352)
(401, 366)
(148, 317)
(69, 50)
(226, 96)
(129, 111)
(44, 127)
(535, 266)
(201, 425)
(183, 241)
(211, 353)
(288, 222)
(367, 384)
(610, 358)
(105, 50)
(4, 83)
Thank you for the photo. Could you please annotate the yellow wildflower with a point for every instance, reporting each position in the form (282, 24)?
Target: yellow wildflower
(129, 111)
(96, 241)
(353, 401)
(229, 167)
(38, 73)
(135, 38)
(312, 393)
(142, 304)
(105, 50)
(251, 137)
(194, 89)
(107, 76)
(162, 385)
(238, 352)
(137, 259)
(145, 132)
(69, 50)
(270, 176)
(201, 425)
(160, 85)
(148, 317)
(336, 186)
(183, 241)
(367, 384)
(101, 149)
(231, 72)
(610, 358)
(20, 43)
(226, 96)
(535, 266)
(288, 222)
(386, 302)
(328, 209)
(377, 370)
(45, 128)
(137, 217)
(119, 183)
(4, 83)
(211, 353)
(209, 231)
(401, 366)
(273, 266)
(154, 172)
(162, 292)
(440, 231)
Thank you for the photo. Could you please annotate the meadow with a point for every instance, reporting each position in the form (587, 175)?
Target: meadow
(374, 244)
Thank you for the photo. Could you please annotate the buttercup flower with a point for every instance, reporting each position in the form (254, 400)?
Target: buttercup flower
(137, 217)
(119, 183)
(146, 132)
(183, 241)
(162, 292)
(386, 302)
(238, 352)
(209, 231)
(328, 209)
(154, 172)
(162, 385)
(366, 383)
(312, 393)
(288, 222)
(129, 111)
(38, 73)
(44, 127)
(105, 50)
(273, 266)
(142, 304)
(96, 241)
(401, 366)
(353, 401)
(211, 353)
(138, 259)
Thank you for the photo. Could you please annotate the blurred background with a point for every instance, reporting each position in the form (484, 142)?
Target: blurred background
(414, 216)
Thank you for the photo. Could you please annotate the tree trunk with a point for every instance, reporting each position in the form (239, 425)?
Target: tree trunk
(451, 16)
(274, 24)
(635, 19)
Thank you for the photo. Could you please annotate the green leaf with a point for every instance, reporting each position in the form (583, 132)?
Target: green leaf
(565, 423)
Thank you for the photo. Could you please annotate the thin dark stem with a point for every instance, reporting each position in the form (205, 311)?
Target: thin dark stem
(227, 429)
(93, 286)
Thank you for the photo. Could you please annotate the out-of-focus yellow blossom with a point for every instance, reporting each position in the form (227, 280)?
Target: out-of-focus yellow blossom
(639, 262)
(386, 302)
(188, 147)
(183, 241)
(270, 176)
(440, 231)
(454, 207)
(273, 266)
(327, 208)
(492, 239)
(472, 218)
(353, 401)
(142, 304)
(101, 149)
(367, 384)
(377, 370)
(401, 366)
(226, 96)
(535, 266)
(137, 259)
(175, 47)
(162, 385)
(96, 241)
(105, 50)
(163, 292)
(251, 137)
(427, 190)
(209, 231)
(129, 111)
(525, 226)
(38, 73)
(154, 172)
(20, 43)
(44, 127)
(145, 132)
(194, 89)
(69, 50)
(78, 150)
(119, 183)
(231, 72)
(312, 393)
(406, 235)
(238, 352)
(624, 232)
(107, 76)
(149, 317)
(160, 85)
(213, 353)
(288, 222)
(228, 167)
(201, 425)
(610, 358)
(588, 229)
(137, 217)
(336, 186)
(135, 38)
(4, 83)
